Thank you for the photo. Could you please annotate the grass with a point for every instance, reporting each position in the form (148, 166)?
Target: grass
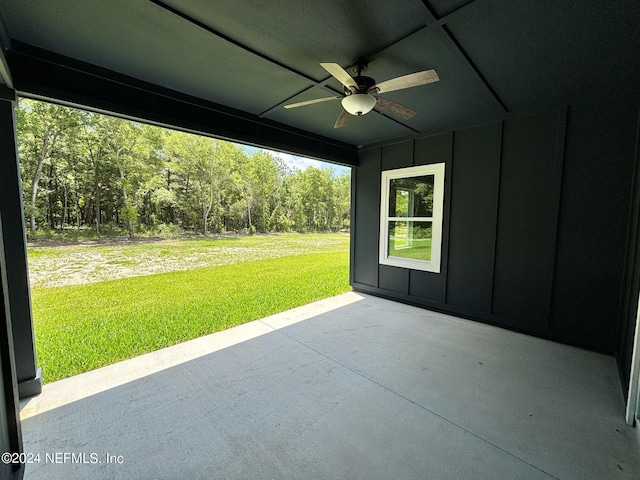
(420, 249)
(83, 327)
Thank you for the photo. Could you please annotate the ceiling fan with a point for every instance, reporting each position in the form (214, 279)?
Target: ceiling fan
(361, 93)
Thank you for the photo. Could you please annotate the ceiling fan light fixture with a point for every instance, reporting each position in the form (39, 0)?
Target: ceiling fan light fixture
(359, 103)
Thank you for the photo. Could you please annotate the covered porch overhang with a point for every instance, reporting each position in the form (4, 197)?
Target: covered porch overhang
(541, 410)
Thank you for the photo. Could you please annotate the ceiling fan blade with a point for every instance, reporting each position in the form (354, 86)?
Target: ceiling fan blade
(340, 74)
(310, 102)
(342, 119)
(395, 108)
(407, 81)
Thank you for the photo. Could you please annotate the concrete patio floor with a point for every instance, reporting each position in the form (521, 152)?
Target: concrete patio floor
(349, 387)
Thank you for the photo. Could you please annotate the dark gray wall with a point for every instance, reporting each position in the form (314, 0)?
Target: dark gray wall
(536, 227)
(14, 259)
(10, 428)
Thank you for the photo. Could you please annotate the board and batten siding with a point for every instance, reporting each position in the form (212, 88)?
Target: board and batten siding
(538, 224)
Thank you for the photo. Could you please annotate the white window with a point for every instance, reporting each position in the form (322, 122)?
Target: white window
(411, 217)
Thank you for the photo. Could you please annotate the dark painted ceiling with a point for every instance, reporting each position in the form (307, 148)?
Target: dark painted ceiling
(492, 56)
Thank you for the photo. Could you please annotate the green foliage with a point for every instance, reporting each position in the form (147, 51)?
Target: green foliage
(128, 213)
(167, 230)
(422, 232)
(80, 328)
(87, 170)
(72, 234)
(410, 240)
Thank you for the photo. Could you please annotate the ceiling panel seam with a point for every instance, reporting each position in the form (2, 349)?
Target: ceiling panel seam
(315, 82)
(370, 56)
(226, 38)
(397, 121)
(364, 59)
(432, 21)
(454, 13)
(289, 98)
(455, 45)
(429, 14)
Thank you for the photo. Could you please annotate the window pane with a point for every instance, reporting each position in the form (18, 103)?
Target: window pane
(409, 239)
(411, 197)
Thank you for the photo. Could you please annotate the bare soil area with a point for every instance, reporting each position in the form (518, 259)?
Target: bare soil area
(55, 265)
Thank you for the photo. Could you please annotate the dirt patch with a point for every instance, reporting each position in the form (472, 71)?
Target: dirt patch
(111, 259)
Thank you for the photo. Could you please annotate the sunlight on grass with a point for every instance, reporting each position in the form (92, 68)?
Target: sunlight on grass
(83, 327)
(418, 250)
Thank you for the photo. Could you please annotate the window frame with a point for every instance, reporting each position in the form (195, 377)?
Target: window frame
(438, 172)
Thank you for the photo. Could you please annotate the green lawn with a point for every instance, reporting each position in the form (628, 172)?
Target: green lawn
(83, 327)
(419, 249)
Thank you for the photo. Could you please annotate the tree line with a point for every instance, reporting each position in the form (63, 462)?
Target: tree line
(86, 170)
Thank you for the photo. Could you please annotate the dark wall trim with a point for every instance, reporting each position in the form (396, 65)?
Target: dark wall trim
(44, 75)
(537, 222)
(560, 155)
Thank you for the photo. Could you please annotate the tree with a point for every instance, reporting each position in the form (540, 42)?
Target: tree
(342, 201)
(85, 168)
(201, 162)
(132, 146)
(317, 194)
(266, 186)
(42, 127)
